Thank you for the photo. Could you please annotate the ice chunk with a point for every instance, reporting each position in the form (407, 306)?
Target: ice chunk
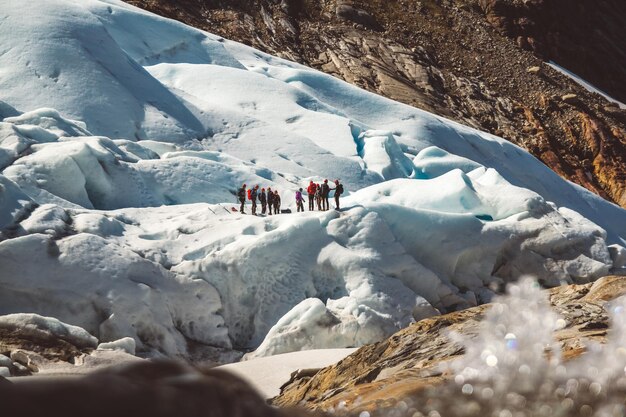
(432, 162)
(381, 154)
(126, 344)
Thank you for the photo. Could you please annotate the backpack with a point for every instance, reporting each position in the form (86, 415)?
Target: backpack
(241, 193)
(339, 189)
(298, 196)
(249, 194)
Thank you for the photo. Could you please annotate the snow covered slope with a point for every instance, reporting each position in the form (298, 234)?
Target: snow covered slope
(124, 136)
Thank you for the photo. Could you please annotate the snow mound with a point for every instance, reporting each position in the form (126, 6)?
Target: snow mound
(14, 204)
(116, 292)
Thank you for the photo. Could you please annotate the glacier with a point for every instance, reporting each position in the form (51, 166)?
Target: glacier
(124, 136)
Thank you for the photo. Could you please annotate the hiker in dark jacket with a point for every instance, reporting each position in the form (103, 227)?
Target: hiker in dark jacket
(311, 191)
(325, 193)
(270, 200)
(276, 203)
(241, 194)
(338, 192)
(263, 200)
(253, 195)
(299, 201)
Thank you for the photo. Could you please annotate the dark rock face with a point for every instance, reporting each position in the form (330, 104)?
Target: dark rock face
(466, 60)
(579, 35)
(379, 375)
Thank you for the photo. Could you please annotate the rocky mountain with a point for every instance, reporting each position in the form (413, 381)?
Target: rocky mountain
(479, 62)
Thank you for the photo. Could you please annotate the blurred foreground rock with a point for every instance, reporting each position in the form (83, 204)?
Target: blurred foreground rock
(378, 376)
(146, 388)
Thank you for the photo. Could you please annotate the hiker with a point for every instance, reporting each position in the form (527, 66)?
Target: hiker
(325, 193)
(318, 196)
(270, 200)
(311, 191)
(263, 200)
(299, 201)
(253, 195)
(276, 203)
(241, 194)
(338, 192)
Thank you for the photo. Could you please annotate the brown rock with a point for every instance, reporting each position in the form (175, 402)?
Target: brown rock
(534, 70)
(570, 98)
(32, 361)
(31, 345)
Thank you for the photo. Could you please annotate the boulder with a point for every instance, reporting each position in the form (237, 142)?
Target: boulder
(361, 17)
(569, 98)
(126, 344)
(533, 70)
(28, 336)
(144, 388)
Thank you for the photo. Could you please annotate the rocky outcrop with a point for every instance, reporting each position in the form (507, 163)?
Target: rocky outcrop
(408, 363)
(29, 342)
(466, 60)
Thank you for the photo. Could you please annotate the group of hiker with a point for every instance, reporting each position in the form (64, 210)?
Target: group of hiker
(270, 199)
(318, 194)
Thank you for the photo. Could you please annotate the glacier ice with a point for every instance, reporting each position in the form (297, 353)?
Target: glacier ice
(124, 137)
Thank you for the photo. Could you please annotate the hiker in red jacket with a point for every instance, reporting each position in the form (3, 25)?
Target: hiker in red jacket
(311, 191)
